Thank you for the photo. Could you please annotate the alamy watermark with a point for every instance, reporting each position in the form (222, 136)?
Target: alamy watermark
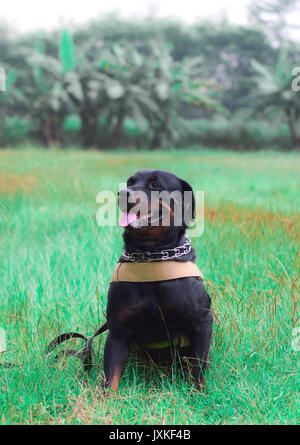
(2, 79)
(2, 340)
(296, 340)
(296, 79)
(160, 208)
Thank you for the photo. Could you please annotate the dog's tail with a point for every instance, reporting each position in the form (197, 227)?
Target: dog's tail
(86, 354)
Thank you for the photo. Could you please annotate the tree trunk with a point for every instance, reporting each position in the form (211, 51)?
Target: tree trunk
(89, 129)
(48, 131)
(116, 136)
(292, 124)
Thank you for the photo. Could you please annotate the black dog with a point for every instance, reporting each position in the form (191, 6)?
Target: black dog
(145, 313)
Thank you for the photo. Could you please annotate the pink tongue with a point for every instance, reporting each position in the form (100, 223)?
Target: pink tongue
(126, 219)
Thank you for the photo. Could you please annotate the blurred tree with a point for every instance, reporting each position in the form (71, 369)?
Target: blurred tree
(12, 101)
(132, 81)
(108, 85)
(226, 51)
(275, 93)
(114, 83)
(124, 75)
(173, 84)
(46, 88)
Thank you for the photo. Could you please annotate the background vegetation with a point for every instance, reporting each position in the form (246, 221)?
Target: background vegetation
(55, 266)
(154, 83)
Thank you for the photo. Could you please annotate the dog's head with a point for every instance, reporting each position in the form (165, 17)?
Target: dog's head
(154, 201)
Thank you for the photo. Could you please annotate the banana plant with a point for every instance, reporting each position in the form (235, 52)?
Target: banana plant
(175, 84)
(47, 88)
(127, 93)
(108, 85)
(113, 84)
(117, 83)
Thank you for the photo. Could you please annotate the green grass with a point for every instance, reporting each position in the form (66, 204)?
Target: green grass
(55, 265)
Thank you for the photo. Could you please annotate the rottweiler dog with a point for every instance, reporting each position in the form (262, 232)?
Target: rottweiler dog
(149, 313)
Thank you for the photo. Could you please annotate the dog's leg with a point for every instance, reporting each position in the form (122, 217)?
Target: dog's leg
(115, 357)
(201, 339)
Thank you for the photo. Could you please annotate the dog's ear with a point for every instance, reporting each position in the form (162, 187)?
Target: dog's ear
(186, 187)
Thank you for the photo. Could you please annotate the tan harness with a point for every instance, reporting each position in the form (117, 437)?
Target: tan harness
(155, 271)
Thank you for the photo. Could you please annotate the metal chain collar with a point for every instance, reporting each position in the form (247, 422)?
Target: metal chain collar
(163, 255)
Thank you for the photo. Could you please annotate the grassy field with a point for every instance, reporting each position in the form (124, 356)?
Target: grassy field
(55, 265)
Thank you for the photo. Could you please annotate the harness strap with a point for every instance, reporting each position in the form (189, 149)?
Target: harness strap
(155, 271)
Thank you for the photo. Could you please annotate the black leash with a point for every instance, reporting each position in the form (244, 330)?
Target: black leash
(87, 353)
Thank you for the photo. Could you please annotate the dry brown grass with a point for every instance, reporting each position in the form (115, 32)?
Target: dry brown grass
(10, 183)
(246, 219)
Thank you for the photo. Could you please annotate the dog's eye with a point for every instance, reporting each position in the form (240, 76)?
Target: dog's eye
(130, 181)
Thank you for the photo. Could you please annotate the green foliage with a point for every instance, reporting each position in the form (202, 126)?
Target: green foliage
(276, 94)
(72, 122)
(14, 129)
(240, 132)
(121, 85)
(10, 80)
(143, 81)
(67, 52)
